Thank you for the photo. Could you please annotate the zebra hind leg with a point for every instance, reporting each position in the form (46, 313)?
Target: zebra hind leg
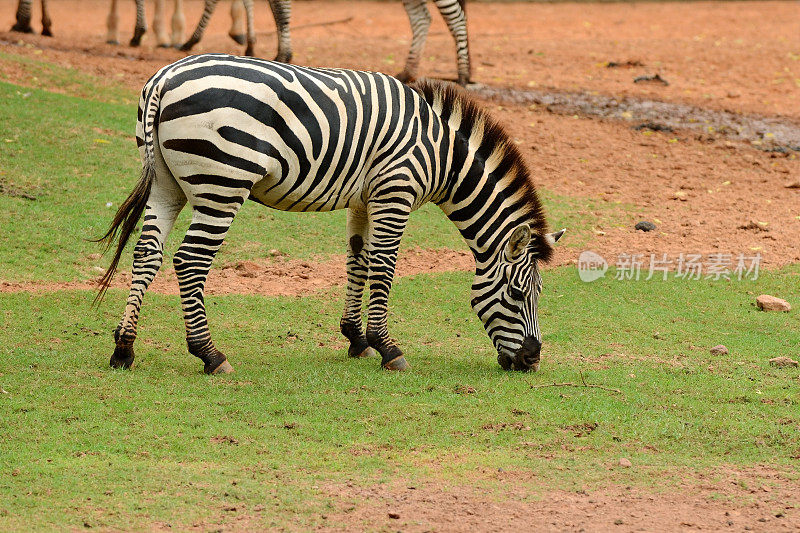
(192, 262)
(420, 19)
(237, 22)
(47, 23)
(357, 274)
(165, 202)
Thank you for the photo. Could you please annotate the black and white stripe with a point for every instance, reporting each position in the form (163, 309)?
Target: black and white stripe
(216, 130)
(23, 24)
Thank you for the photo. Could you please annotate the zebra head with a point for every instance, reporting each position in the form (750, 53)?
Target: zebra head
(506, 297)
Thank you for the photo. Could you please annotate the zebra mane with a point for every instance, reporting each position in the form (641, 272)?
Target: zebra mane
(448, 100)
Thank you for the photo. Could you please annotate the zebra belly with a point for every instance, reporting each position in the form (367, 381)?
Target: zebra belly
(289, 193)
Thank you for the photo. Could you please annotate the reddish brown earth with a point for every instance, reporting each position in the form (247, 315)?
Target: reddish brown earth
(742, 57)
(706, 503)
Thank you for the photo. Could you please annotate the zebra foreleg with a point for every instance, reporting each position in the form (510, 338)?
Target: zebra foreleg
(141, 24)
(387, 219)
(456, 20)
(420, 19)
(23, 24)
(165, 202)
(357, 274)
(192, 262)
(282, 11)
(208, 10)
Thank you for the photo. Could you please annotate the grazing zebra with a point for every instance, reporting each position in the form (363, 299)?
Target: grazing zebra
(453, 12)
(23, 24)
(216, 130)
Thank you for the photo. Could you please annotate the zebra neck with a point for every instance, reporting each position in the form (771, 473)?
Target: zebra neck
(483, 204)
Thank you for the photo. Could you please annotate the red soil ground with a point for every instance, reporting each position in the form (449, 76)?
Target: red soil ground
(742, 57)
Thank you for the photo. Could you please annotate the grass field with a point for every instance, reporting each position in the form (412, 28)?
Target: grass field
(83, 445)
(165, 443)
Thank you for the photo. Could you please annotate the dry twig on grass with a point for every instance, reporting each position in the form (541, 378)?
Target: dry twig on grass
(582, 384)
(309, 25)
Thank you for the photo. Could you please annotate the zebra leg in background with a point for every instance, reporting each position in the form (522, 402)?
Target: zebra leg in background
(237, 22)
(23, 24)
(47, 24)
(192, 262)
(141, 24)
(112, 23)
(178, 24)
(160, 24)
(387, 220)
(454, 15)
(282, 11)
(208, 10)
(420, 19)
(165, 202)
(357, 275)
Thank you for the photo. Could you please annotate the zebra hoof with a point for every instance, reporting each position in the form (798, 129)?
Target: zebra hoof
(240, 38)
(47, 33)
(367, 352)
(398, 363)
(19, 28)
(113, 41)
(164, 45)
(224, 368)
(122, 357)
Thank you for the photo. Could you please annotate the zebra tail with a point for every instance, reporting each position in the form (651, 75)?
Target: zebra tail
(124, 224)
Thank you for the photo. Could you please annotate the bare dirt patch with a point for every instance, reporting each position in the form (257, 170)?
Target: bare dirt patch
(271, 277)
(755, 500)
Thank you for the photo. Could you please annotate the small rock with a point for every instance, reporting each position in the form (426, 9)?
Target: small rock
(765, 302)
(394, 515)
(755, 225)
(93, 257)
(644, 225)
(679, 195)
(719, 349)
(275, 252)
(793, 185)
(625, 462)
(782, 362)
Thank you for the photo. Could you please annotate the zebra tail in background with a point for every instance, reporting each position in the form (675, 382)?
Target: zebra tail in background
(133, 207)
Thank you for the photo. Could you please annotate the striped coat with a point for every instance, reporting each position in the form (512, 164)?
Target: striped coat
(216, 130)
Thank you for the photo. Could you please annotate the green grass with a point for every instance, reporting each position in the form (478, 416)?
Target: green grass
(83, 156)
(165, 443)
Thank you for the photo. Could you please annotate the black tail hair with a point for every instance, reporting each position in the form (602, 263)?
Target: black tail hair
(127, 217)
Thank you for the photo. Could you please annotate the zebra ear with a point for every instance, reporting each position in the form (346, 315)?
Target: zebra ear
(519, 240)
(552, 238)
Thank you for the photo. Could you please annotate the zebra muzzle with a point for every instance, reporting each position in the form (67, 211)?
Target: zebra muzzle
(526, 358)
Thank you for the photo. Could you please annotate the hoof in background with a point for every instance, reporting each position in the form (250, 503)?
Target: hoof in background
(240, 38)
(398, 363)
(224, 368)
